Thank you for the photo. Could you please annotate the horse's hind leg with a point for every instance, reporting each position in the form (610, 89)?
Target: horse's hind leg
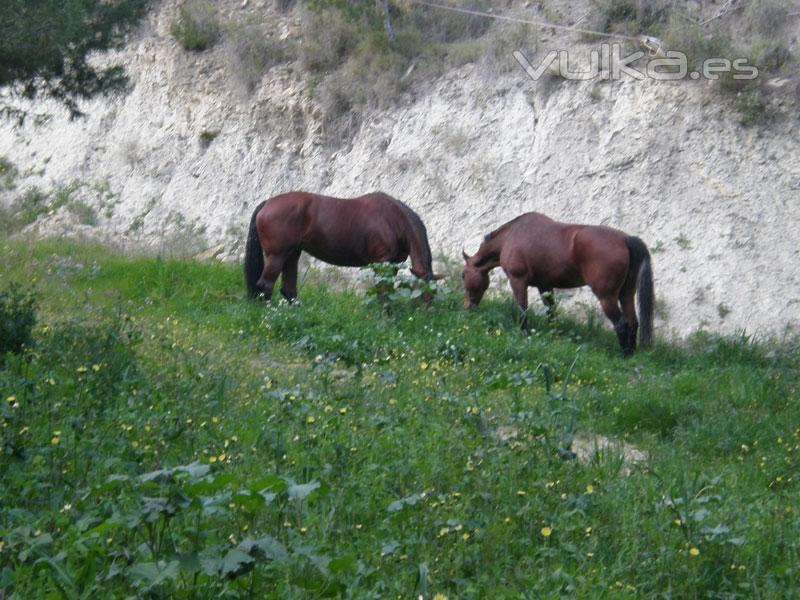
(272, 268)
(289, 277)
(519, 287)
(610, 305)
(629, 312)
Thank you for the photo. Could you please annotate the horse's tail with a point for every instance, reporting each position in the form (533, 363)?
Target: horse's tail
(641, 268)
(420, 248)
(253, 255)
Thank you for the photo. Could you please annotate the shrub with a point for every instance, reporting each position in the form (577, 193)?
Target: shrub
(504, 40)
(17, 318)
(85, 214)
(328, 38)
(250, 51)
(8, 173)
(697, 44)
(750, 107)
(30, 206)
(633, 16)
(766, 17)
(449, 26)
(196, 27)
(370, 79)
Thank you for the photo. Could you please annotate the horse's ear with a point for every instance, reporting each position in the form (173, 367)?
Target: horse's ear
(465, 255)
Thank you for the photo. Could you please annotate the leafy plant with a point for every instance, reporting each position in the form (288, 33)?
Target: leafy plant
(17, 318)
(387, 286)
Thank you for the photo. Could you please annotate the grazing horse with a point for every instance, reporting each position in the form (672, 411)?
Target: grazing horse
(345, 232)
(534, 250)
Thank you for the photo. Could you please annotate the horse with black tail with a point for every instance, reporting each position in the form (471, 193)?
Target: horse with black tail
(534, 250)
(350, 232)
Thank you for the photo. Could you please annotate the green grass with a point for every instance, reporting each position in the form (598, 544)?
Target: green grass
(165, 437)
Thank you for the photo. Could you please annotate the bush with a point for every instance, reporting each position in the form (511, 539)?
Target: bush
(30, 206)
(697, 44)
(328, 38)
(8, 173)
(632, 16)
(767, 17)
(449, 26)
(370, 79)
(17, 318)
(85, 214)
(250, 51)
(196, 27)
(750, 107)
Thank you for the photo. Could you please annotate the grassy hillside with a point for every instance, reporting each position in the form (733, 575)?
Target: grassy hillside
(164, 437)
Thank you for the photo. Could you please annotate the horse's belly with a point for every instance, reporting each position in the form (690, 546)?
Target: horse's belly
(341, 257)
(562, 280)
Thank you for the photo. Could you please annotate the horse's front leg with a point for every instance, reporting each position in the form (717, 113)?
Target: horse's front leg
(519, 286)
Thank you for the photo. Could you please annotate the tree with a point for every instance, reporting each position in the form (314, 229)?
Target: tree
(46, 48)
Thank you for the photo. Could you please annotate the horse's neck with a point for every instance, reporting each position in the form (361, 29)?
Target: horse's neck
(418, 250)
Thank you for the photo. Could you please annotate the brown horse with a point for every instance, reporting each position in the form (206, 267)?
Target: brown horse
(537, 251)
(346, 232)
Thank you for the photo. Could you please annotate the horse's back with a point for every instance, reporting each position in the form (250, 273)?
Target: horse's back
(340, 231)
(563, 255)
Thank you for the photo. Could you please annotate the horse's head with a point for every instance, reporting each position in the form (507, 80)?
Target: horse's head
(476, 281)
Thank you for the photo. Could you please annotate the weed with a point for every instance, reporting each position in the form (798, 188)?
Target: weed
(17, 318)
(207, 136)
(683, 242)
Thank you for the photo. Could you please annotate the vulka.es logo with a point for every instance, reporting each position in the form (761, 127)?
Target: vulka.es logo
(609, 63)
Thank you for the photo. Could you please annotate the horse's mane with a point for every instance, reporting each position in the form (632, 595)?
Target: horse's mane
(493, 234)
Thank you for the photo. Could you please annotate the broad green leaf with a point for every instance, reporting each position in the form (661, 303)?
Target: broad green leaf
(343, 564)
(235, 563)
(151, 574)
(389, 548)
(265, 547)
(400, 504)
(301, 491)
